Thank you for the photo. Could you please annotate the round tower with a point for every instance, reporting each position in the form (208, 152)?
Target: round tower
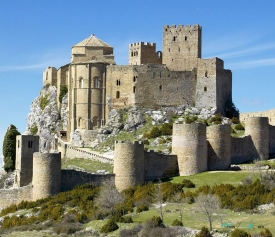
(189, 144)
(46, 174)
(128, 164)
(219, 146)
(258, 129)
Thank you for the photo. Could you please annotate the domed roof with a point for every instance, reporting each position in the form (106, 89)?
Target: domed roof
(92, 41)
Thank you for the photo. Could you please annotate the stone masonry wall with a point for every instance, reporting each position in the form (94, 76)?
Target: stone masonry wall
(72, 178)
(267, 113)
(158, 166)
(15, 196)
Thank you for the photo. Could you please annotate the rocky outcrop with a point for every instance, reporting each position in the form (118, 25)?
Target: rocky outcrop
(45, 119)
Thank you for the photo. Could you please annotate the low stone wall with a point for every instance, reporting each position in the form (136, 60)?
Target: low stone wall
(243, 150)
(160, 166)
(15, 196)
(72, 178)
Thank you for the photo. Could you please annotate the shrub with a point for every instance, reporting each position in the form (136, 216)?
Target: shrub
(190, 119)
(266, 233)
(142, 207)
(155, 132)
(239, 126)
(166, 129)
(34, 129)
(235, 120)
(111, 225)
(63, 92)
(126, 219)
(239, 233)
(188, 183)
(177, 223)
(155, 221)
(44, 101)
(146, 142)
(204, 232)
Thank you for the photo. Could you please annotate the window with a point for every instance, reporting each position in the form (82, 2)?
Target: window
(206, 73)
(118, 82)
(18, 144)
(117, 94)
(168, 49)
(179, 49)
(174, 38)
(134, 89)
(29, 144)
(96, 83)
(205, 88)
(134, 78)
(160, 87)
(80, 82)
(185, 38)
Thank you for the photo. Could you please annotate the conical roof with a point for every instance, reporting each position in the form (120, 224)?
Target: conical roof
(92, 41)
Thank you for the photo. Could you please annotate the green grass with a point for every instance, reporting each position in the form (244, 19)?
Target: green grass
(212, 178)
(89, 165)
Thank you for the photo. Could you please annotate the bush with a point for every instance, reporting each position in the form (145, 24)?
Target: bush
(126, 219)
(166, 129)
(204, 232)
(188, 183)
(63, 92)
(235, 120)
(155, 132)
(34, 129)
(142, 207)
(266, 233)
(155, 221)
(190, 119)
(239, 233)
(111, 225)
(239, 126)
(44, 101)
(177, 223)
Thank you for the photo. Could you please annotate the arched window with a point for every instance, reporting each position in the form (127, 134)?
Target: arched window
(160, 87)
(206, 73)
(117, 94)
(29, 144)
(174, 38)
(134, 89)
(118, 82)
(205, 88)
(132, 54)
(134, 78)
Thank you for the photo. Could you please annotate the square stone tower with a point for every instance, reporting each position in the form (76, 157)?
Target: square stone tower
(143, 53)
(26, 145)
(181, 47)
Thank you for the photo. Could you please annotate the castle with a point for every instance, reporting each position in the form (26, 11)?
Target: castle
(176, 76)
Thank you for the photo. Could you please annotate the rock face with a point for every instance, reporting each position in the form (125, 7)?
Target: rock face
(48, 121)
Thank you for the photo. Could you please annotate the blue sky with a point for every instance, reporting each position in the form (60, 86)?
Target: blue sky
(36, 34)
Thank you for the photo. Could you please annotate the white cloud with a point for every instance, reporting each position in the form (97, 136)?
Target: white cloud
(252, 63)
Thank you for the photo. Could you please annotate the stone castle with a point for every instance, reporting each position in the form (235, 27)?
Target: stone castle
(176, 76)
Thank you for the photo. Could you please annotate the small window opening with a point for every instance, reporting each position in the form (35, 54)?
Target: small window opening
(188, 49)
(136, 53)
(179, 49)
(46, 75)
(117, 94)
(205, 73)
(18, 144)
(134, 78)
(185, 38)
(80, 82)
(172, 59)
(96, 83)
(29, 144)
(118, 82)
(132, 54)
(153, 74)
(174, 38)
(205, 88)
(134, 89)
(160, 87)
(168, 49)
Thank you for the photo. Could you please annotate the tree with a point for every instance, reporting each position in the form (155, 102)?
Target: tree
(9, 148)
(63, 92)
(109, 198)
(207, 205)
(159, 200)
(179, 202)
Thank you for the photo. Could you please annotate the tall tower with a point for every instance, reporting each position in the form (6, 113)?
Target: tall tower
(26, 145)
(143, 53)
(181, 47)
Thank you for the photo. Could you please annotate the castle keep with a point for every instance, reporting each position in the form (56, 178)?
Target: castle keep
(176, 76)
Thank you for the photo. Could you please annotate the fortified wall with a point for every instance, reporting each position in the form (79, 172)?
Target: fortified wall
(270, 114)
(195, 148)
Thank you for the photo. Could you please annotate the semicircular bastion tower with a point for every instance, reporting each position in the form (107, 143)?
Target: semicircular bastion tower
(128, 164)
